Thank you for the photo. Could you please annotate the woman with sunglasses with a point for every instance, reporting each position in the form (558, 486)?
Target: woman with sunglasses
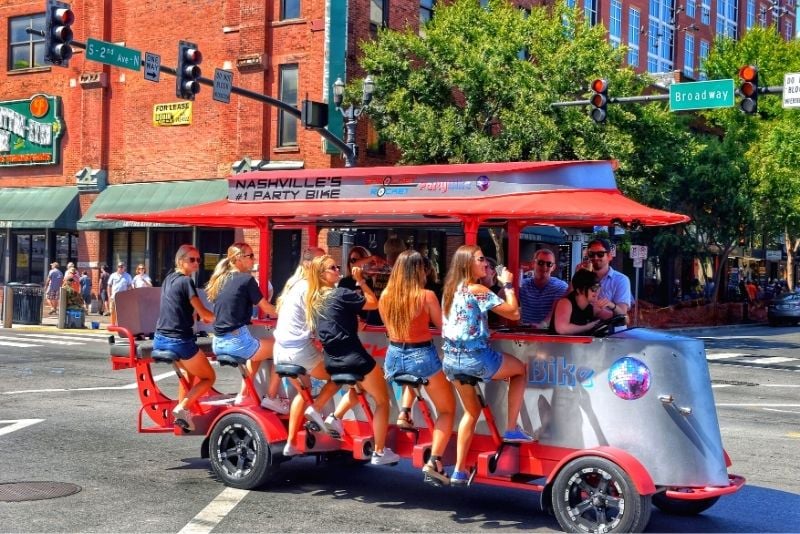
(465, 331)
(358, 257)
(175, 331)
(574, 314)
(407, 310)
(233, 291)
(332, 312)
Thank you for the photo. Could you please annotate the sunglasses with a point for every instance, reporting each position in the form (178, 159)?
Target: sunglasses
(597, 253)
(595, 288)
(542, 263)
(354, 259)
(481, 259)
(193, 259)
(251, 256)
(334, 268)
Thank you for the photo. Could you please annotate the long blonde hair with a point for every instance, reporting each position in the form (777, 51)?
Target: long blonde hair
(460, 272)
(301, 273)
(404, 294)
(318, 291)
(224, 269)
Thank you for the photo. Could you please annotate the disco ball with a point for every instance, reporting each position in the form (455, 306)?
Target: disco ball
(629, 378)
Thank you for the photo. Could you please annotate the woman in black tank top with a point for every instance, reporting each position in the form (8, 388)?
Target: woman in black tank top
(574, 314)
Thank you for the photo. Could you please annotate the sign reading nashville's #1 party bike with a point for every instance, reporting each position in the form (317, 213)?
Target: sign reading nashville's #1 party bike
(30, 131)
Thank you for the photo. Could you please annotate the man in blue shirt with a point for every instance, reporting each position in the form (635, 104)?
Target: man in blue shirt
(538, 294)
(615, 287)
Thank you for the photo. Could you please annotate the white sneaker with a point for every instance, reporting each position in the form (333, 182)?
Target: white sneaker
(290, 450)
(387, 457)
(277, 405)
(334, 427)
(315, 417)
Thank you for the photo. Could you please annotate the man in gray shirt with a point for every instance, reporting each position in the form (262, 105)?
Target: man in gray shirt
(538, 294)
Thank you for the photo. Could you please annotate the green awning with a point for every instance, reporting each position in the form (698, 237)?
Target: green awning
(39, 207)
(149, 197)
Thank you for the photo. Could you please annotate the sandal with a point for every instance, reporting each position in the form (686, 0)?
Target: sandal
(435, 475)
(404, 419)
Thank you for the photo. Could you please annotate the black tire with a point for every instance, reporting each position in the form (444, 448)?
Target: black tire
(682, 507)
(592, 494)
(239, 452)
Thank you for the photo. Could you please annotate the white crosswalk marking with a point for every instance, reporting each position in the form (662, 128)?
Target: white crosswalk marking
(94, 338)
(773, 359)
(55, 341)
(724, 355)
(14, 343)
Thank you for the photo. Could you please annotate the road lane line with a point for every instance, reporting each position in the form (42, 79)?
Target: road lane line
(780, 411)
(724, 355)
(100, 388)
(13, 344)
(773, 359)
(87, 338)
(39, 340)
(17, 424)
(210, 516)
(755, 405)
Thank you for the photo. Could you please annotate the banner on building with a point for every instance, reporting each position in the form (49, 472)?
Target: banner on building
(172, 114)
(30, 131)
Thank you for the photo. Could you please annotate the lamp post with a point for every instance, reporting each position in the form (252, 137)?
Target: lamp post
(351, 114)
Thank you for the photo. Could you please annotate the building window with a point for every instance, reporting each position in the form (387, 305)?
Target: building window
(659, 36)
(615, 23)
(727, 15)
(705, 12)
(762, 17)
(571, 3)
(378, 15)
(690, 8)
(704, 48)
(287, 124)
(789, 29)
(290, 9)
(634, 21)
(128, 247)
(751, 14)
(426, 10)
(25, 51)
(688, 56)
(590, 11)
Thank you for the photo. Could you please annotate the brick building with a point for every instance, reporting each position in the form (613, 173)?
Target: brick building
(93, 138)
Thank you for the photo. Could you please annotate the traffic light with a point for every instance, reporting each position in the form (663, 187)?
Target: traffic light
(314, 114)
(599, 100)
(749, 89)
(187, 74)
(58, 33)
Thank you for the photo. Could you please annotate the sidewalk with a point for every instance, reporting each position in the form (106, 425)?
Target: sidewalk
(50, 324)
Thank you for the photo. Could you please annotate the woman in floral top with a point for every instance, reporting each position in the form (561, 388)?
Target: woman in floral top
(465, 331)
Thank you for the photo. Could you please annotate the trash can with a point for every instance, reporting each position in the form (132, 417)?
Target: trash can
(27, 303)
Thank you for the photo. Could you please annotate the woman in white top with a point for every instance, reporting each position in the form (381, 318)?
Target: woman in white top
(294, 344)
(141, 279)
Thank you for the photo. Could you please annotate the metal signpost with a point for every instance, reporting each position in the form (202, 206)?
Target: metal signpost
(701, 95)
(113, 54)
(638, 255)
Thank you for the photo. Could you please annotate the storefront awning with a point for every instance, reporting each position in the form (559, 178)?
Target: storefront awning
(39, 207)
(147, 197)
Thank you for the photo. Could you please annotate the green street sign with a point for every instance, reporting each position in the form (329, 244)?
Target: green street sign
(701, 95)
(112, 54)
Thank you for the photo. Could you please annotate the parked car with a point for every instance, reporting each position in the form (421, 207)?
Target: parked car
(784, 309)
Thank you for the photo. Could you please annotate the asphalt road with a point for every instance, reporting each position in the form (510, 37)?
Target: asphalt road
(81, 429)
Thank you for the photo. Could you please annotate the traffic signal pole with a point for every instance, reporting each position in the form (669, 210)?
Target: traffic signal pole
(349, 153)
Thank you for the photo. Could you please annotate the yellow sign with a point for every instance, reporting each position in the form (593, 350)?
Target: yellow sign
(172, 114)
(210, 261)
(22, 260)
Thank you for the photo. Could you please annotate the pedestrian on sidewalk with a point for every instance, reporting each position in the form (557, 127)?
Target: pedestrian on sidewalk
(54, 281)
(117, 282)
(104, 276)
(141, 279)
(85, 282)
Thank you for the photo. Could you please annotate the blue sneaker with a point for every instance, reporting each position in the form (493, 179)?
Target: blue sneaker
(518, 435)
(459, 478)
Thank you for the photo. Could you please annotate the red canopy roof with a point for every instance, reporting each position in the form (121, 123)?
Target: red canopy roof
(561, 193)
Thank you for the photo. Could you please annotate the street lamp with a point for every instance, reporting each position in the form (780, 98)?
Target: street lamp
(351, 114)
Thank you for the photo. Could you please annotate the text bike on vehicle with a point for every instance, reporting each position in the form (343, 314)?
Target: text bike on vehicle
(622, 421)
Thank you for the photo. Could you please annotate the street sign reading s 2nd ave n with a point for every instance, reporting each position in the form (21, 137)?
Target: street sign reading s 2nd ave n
(701, 95)
(113, 54)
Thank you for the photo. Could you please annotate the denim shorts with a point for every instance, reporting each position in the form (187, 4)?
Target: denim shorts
(186, 349)
(239, 343)
(483, 363)
(423, 362)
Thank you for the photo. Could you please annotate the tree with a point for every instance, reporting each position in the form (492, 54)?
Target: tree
(768, 143)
